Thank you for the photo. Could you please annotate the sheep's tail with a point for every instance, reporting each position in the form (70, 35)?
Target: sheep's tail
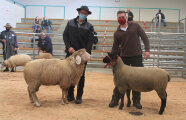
(169, 78)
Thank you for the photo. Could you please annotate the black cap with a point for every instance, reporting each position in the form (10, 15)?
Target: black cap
(84, 8)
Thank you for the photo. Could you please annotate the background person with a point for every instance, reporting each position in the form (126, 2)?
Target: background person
(36, 23)
(162, 18)
(130, 15)
(45, 44)
(9, 40)
(46, 24)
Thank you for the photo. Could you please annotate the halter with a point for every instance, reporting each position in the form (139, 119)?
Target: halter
(109, 64)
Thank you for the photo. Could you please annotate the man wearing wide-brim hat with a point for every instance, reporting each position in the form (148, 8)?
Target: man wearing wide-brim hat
(78, 34)
(9, 40)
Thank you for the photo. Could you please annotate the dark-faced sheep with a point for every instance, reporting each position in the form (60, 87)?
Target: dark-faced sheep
(64, 73)
(16, 60)
(141, 79)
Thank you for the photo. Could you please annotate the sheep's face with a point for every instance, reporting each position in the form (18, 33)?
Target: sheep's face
(82, 56)
(4, 64)
(110, 59)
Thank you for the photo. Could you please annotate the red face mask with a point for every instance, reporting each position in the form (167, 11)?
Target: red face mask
(122, 21)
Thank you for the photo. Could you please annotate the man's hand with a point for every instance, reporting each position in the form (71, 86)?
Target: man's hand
(147, 55)
(15, 49)
(71, 50)
(3, 40)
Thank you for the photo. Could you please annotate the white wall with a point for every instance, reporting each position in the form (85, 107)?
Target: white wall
(146, 15)
(10, 13)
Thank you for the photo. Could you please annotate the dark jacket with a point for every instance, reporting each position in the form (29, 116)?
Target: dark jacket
(162, 15)
(127, 43)
(78, 37)
(130, 16)
(46, 44)
(11, 43)
(46, 23)
(95, 38)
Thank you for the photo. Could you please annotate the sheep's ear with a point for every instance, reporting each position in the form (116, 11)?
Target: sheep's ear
(78, 59)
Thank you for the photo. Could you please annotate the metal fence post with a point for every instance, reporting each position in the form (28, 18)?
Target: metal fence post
(100, 13)
(34, 47)
(184, 25)
(139, 14)
(184, 58)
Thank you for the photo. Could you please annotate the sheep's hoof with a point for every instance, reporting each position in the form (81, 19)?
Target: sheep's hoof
(128, 104)
(31, 101)
(160, 112)
(66, 102)
(121, 107)
(37, 104)
(62, 103)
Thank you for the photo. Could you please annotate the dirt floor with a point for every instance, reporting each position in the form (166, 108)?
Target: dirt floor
(14, 102)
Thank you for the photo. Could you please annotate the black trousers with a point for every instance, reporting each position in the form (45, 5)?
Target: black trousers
(137, 62)
(80, 86)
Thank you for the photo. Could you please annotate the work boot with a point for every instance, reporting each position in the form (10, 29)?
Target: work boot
(71, 98)
(6, 70)
(78, 100)
(136, 99)
(115, 98)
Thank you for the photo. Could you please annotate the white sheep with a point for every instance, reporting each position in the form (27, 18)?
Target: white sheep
(139, 79)
(64, 73)
(44, 55)
(16, 60)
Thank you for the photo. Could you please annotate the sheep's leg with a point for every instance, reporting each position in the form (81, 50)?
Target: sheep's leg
(30, 96)
(128, 97)
(163, 97)
(35, 99)
(122, 102)
(33, 91)
(66, 96)
(122, 91)
(63, 97)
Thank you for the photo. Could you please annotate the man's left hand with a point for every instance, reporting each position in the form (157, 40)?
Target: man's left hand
(15, 49)
(147, 55)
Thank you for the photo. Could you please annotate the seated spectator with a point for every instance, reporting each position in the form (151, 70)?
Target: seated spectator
(95, 40)
(130, 15)
(45, 44)
(38, 30)
(162, 19)
(35, 23)
(46, 24)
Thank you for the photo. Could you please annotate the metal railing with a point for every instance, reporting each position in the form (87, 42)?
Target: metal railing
(168, 50)
(184, 23)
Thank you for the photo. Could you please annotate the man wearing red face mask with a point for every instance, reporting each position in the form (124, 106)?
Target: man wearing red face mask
(127, 43)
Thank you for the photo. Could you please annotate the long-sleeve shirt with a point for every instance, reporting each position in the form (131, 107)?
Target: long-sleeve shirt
(128, 42)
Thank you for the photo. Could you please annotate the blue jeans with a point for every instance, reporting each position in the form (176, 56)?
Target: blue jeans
(163, 21)
(48, 28)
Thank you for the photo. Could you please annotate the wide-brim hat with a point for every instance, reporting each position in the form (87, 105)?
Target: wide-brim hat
(84, 8)
(8, 25)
